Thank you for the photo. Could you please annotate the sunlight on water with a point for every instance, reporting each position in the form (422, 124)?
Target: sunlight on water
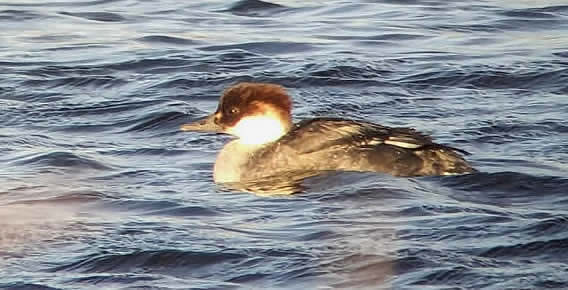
(23, 227)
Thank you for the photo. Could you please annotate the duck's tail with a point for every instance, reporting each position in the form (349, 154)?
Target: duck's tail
(443, 160)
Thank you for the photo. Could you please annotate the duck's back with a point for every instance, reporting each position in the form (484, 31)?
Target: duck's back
(324, 144)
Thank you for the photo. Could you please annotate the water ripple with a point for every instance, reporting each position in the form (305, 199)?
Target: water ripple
(97, 16)
(254, 8)
(158, 259)
(61, 159)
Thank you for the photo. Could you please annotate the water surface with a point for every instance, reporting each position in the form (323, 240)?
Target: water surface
(100, 189)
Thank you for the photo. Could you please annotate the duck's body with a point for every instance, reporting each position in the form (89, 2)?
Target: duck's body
(270, 145)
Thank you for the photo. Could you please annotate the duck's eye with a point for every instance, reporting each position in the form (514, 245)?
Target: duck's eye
(234, 110)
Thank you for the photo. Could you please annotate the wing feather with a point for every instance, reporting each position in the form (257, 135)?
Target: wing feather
(320, 133)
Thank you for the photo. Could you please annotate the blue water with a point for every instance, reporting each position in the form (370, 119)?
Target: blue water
(100, 190)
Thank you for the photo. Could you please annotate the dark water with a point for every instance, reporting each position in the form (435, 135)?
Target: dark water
(100, 190)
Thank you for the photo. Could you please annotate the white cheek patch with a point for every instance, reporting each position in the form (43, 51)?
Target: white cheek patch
(256, 130)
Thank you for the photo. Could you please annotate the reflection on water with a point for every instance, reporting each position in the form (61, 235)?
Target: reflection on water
(284, 183)
(23, 226)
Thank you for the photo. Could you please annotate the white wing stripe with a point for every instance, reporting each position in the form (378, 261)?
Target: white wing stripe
(402, 144)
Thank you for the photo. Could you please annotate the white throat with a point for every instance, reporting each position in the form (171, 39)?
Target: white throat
(258, 129)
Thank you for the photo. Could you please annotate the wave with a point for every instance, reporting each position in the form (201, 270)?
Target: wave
(255, 8)
(20, 15)
(28, 286)
(266, 47)
(555, 250)
(61, 159)
(161, 208)
(77, 81)
(547, 79)
(71, 197)
(165, 39)
(509, 131)
(157, 121)
(150, 259)
(509, 185)
(97, 16)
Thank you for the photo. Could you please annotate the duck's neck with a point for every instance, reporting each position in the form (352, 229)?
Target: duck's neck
(232, 159)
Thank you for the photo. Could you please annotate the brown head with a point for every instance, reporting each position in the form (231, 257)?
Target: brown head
(247, 109)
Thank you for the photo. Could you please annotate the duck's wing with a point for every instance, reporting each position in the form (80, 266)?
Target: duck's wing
(322, 133)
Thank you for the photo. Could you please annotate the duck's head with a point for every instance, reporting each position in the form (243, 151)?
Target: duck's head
(256, 113)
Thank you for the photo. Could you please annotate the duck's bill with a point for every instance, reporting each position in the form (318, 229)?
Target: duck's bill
(206, 124)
